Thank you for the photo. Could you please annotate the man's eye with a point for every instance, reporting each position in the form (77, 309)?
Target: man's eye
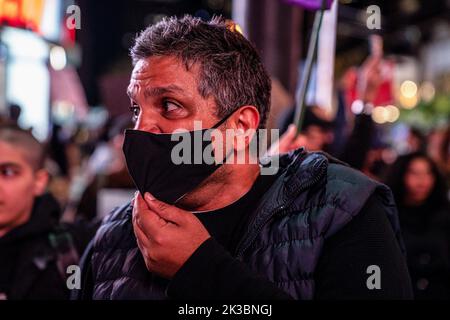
(135, 110)
(8, 172)
(170, 106)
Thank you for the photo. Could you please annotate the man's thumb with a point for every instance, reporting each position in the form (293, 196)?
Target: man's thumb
(162, 209)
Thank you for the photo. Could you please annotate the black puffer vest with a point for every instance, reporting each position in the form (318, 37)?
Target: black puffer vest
(313, 198)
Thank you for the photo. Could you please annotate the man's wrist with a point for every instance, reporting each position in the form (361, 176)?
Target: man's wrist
(186, 283)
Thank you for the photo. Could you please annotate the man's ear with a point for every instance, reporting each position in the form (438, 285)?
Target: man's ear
(246, 123)
(247, 117)
(40, 182)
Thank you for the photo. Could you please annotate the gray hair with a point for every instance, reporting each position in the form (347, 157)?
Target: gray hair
(230, 69)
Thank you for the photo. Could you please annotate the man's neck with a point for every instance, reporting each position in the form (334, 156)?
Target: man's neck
(225, 186)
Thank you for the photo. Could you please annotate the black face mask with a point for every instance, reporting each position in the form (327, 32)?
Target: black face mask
(150, 164)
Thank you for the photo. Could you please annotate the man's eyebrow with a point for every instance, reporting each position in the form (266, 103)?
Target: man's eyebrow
(157, 91)
(9, 164)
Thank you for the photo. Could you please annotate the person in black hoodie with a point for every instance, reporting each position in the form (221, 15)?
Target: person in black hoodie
(35, 250)
(421, 195)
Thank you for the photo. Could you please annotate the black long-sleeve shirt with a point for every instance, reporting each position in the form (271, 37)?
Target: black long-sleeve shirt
(212, 272)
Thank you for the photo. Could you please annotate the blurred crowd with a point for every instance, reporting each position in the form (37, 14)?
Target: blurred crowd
(419, 176)
(83, 176)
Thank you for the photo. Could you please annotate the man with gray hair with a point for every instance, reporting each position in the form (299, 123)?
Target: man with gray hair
(223, 230)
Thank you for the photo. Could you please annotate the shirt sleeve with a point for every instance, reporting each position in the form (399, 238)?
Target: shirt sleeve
(212, 273)
(342, 271)
(368, 240)
(87, 277)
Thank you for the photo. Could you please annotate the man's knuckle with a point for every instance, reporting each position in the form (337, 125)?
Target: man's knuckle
(159, 239)
(162, 206)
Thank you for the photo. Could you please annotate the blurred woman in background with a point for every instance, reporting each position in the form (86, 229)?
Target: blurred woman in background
(421, 195)
(439, 149)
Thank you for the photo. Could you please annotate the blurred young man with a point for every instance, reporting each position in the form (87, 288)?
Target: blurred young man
(34, 249)
(315, 229)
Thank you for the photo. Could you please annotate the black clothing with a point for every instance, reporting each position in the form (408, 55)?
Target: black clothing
(366, 240)
(227, 225)
(30, 253)
(288, 231)
(426, 230)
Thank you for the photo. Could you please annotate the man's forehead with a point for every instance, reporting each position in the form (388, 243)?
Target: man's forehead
(12, 154)
(155, 65)
(141, 69)
(166, 72)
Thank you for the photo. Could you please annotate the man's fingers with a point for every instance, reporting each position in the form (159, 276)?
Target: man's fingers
(371, 62)
(291, 132)
(283, 145)
(146, 218)
(165, 211)
(141, 237)
(300, 141)
(139, 202)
